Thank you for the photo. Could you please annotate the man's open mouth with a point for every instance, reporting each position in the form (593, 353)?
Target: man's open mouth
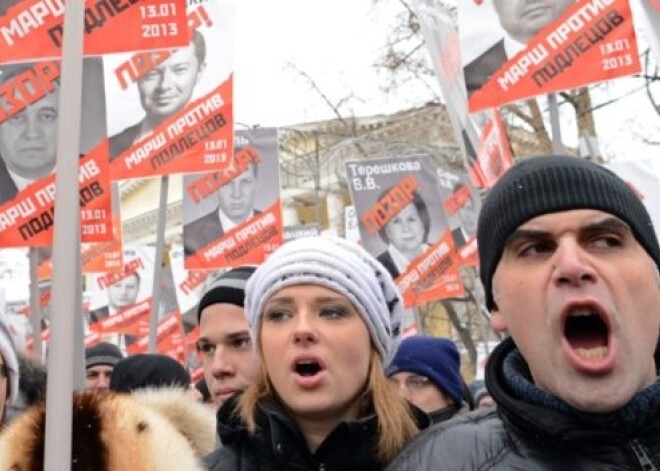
(587, 332)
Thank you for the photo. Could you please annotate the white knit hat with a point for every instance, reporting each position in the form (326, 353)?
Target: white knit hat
(8, 353)
(341, 266)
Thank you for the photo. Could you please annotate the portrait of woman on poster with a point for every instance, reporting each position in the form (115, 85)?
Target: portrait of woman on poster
(325, 319)
(406, 235)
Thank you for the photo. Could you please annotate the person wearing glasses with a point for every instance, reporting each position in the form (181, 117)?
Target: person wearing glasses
(427, 372)
(8, 371)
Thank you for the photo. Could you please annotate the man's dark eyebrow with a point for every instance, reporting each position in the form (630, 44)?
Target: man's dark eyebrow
(238, 335)
(607, 224)
(526, 234)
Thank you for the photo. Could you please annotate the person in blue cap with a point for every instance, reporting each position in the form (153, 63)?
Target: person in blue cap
(427, 372)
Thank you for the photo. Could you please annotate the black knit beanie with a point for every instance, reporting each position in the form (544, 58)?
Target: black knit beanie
(548, 184)
(229, 288)
(148, 370)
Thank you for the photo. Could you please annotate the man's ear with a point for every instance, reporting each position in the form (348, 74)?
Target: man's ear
(497, 321)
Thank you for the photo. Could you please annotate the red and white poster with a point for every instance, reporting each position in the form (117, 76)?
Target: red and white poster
(170, 338)
(351, 225)
(120, 301)
(190, 285)
(233, 217)
(28, 152)
(403, 224)
(170, 111)
(517, 50)
(95, 257)
(462, 204)
(484, 143)
(33, 29)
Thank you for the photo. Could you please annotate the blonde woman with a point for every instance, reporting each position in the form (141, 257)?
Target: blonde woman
(325, 317)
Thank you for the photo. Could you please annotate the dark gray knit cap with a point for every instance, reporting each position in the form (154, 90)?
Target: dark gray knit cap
(104, 353)
(548, 184)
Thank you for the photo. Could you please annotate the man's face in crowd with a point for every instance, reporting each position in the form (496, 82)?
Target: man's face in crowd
(406, 229)
(28, 140)
(523, 19)
(167, 88)
(230, 362)
(97, 378)
(236, 198)
(580, 297)
(420, 391)
(124, 293)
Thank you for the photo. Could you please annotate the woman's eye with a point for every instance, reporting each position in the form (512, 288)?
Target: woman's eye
(333, 312)
(275, 316)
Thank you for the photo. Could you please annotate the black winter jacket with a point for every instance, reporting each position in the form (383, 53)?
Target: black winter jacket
(522, 436)
(279, 444)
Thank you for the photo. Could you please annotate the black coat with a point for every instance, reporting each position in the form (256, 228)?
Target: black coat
(123, 140)
(522, 436)
(8, 190)
(279, 444)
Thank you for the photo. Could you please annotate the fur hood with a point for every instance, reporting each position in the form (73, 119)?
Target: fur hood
(148, 430)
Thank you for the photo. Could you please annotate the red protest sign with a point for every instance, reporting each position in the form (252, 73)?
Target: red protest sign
(33, 29)
(582, 42)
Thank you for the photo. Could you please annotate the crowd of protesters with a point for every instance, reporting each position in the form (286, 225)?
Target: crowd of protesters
(304, 366)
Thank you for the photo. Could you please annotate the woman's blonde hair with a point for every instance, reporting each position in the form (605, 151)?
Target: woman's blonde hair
(396, 422)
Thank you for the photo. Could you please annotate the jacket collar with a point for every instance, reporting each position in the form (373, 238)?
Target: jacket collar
(521, 404)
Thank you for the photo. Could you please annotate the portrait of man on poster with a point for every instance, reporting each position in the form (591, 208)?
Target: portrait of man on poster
(28, 139)
(235, 205)
(521, 20)
(165, 90)
(122, 294)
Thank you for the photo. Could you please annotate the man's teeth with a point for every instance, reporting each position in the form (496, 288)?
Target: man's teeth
(595, 353)
(581, 312)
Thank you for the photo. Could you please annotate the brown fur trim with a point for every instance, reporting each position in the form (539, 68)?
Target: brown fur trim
(111, 432)
(193, 419)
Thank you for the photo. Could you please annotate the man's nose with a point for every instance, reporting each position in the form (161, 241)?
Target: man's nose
(236, 191)
(571, 264)
(32, 128)
(222, 364)
(166, 79)
(104, 382)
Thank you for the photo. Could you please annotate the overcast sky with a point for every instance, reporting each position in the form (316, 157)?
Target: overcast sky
(336, 42)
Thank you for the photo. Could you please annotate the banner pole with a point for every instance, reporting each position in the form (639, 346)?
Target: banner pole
(66, 248)
(158, 263)
(35, 308)
(557, 146)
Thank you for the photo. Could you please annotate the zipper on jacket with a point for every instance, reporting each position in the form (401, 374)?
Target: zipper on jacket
(642, 457)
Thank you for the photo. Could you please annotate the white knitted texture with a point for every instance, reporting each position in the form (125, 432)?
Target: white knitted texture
(340, 266)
